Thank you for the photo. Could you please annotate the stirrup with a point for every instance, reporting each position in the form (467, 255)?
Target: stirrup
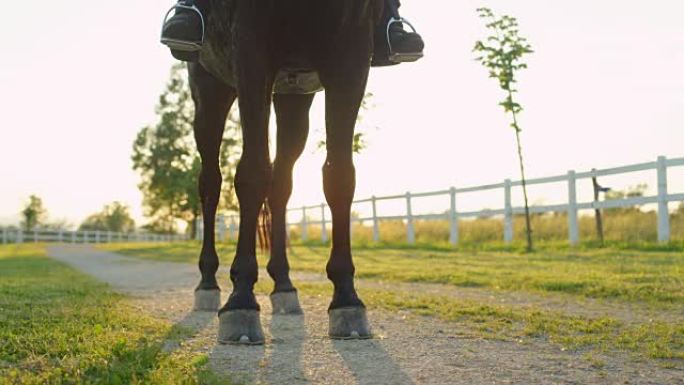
(183, 45)
(401, 57)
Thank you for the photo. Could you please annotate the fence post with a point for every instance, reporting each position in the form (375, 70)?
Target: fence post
(4, 236)
(508, 212)
(20, 236)
(73, 236)
(109, 236)
(222, 227)
(85, 236)
(663, 212)
(453, 218)
(35, 236)
(573, 230)
(198, 232)
(410, 230)
(324, 229)
(376, 222)
(305, 226)
(60, 236)
(97, 236)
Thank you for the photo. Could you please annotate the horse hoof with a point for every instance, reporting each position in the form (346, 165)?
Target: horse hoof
(286, 303)
(349, 323)
(207, 300)
(240, 327)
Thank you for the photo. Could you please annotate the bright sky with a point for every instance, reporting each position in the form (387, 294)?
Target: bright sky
(604, 88)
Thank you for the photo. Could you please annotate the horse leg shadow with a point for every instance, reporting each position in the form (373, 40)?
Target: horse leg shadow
(189, 326)
(289, 334)
(370, 363)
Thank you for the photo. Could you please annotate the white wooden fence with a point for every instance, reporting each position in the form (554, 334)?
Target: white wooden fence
(84, 236)
(229, 224)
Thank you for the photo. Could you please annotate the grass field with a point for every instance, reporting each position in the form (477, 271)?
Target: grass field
(58, 326)
(644, 281)
(654, 278)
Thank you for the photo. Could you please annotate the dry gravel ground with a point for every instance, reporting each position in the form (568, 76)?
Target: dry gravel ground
(408, 349)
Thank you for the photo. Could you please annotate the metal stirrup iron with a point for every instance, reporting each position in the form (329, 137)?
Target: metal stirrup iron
(401, 57)
(183, 45)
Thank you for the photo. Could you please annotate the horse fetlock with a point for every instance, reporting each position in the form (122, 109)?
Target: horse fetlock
(208, 283)
(241, 300)
(345, 296)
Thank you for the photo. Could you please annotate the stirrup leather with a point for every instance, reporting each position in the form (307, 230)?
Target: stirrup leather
(401, 57)
(183, 45)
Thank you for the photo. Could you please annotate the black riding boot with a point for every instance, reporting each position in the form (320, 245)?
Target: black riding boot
(183, 33)
(393, 44)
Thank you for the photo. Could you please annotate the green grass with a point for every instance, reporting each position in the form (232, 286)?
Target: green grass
(654, 278)
(59, 326)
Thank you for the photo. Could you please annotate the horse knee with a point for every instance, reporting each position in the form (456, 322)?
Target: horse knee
(252, 180)
(339, 181)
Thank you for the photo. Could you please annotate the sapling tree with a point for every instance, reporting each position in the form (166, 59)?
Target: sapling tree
(502, 53)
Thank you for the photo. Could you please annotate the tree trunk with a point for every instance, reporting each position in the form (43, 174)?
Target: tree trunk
(528, 224)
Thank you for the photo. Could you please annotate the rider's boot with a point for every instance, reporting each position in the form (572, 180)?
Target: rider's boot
(183, 33)
(393, 44)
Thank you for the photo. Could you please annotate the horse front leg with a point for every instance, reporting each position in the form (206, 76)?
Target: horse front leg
(239, 317)
(213, 100)
(292, 117)
(345, 88)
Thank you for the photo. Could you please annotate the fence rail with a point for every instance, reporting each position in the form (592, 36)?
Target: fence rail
(84, 236)
(228, 225)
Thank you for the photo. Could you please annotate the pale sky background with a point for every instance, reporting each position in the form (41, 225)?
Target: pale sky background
(78, 79)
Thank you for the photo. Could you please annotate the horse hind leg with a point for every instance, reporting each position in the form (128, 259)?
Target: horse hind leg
(212, 101)
(292, 117)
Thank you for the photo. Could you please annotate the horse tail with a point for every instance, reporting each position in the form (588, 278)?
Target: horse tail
(264, 229)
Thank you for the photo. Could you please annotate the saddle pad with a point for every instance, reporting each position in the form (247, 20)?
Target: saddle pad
(293, 81)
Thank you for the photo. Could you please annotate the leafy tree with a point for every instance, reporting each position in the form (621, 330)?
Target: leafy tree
(631, 192)
(502, 53)
(113, 217)
(167, 159)
(34, 214)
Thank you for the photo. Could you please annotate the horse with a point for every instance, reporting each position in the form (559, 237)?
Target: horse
(280, 52)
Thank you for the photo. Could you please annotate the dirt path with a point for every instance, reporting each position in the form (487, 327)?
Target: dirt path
(408, 350)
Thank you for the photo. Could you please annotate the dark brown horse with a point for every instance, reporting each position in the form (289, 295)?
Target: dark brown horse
(280, 51)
